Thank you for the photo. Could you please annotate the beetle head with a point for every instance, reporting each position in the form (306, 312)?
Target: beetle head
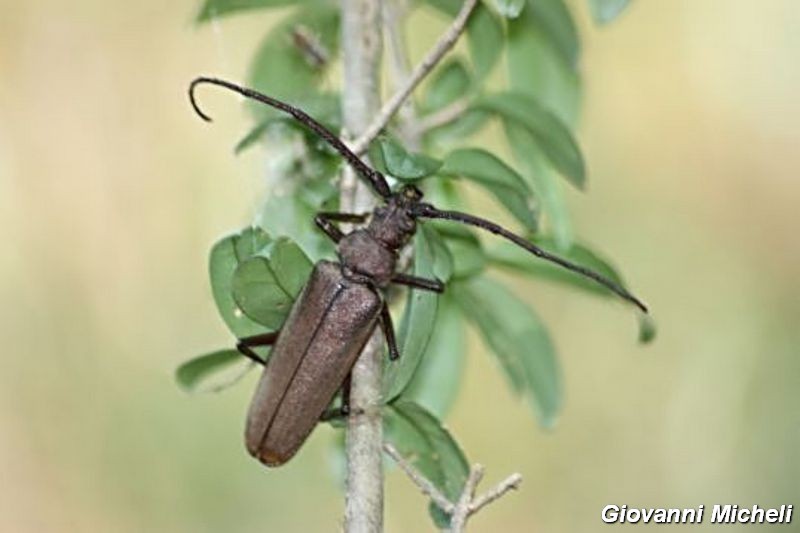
(393, 224)
(408, 195)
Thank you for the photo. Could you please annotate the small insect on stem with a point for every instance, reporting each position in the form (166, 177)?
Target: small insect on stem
(343, 302)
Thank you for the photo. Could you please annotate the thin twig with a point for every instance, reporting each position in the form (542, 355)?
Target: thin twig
(511, 482)
(445, 115)
(426, 487)
(458, 520)
(442, 46)
(467, 503)
(395, 14)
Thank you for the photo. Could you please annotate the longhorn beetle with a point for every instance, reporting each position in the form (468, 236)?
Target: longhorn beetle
(342, 302)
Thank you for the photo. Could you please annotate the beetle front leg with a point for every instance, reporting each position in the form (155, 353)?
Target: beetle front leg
(325, 222)
(246, 345)
(433, 285)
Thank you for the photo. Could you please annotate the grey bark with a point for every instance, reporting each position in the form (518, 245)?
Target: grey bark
(361, 49)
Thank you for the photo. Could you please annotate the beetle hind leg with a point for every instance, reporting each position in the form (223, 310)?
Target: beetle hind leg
(246, 345)
(344, 410)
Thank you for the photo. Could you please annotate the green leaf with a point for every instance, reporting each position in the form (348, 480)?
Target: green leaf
(250, 242)
(485, 36)
(455, 132)
(286, 71)
(256, 134)
(290, 214)
(436, 381)
(509, 255)
(195, 373)
(510, 9)
(468, 258)
(259, 295)
(647, 329)
(485, 39)
(554, 19)
(450, 82)
(431, 260)
(536, 68)
(213, 9)
(543, 180)
(483, 168)
(225, 257)
(549, 132)
(429, 447)
(519, 340)
(498, 178)
(464, 247)
(389, 156)
(291, 266)
(605, 11)
(265, 286)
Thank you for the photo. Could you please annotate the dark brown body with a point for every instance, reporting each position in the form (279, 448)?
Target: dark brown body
(319, 343)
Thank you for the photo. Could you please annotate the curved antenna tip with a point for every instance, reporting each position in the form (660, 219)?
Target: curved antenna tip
(374, 178)
(193, 100)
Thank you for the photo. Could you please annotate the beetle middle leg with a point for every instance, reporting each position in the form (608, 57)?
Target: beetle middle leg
(388, 332)
(415, 282)
(246, 345)
(344, 410)
(326, 222)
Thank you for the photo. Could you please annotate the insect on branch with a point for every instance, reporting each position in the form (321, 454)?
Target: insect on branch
(442, 46)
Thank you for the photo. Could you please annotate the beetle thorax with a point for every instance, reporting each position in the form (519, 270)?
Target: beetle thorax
(371, 253)
(367, 259)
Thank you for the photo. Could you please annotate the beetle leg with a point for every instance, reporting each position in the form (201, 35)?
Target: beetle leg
(344, 410)
(338, 412)
(348, 381)
(325, 222)
(388, 332)
(245, 345)
(331, 414)
(415, 282)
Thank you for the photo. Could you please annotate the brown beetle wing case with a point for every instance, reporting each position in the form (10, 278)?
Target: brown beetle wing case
(320, 341)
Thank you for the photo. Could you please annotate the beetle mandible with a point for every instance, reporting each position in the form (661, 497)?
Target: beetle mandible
(342, 302)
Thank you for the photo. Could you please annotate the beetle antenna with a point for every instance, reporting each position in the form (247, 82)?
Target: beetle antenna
(373, 177)
(428, 211)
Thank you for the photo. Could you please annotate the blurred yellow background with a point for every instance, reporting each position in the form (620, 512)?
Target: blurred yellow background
(112, 191)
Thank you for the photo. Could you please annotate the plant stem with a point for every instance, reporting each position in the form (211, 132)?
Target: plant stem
(395, 15)
(361, 50)
(443, 45)
(446, 115)
(467, 503)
